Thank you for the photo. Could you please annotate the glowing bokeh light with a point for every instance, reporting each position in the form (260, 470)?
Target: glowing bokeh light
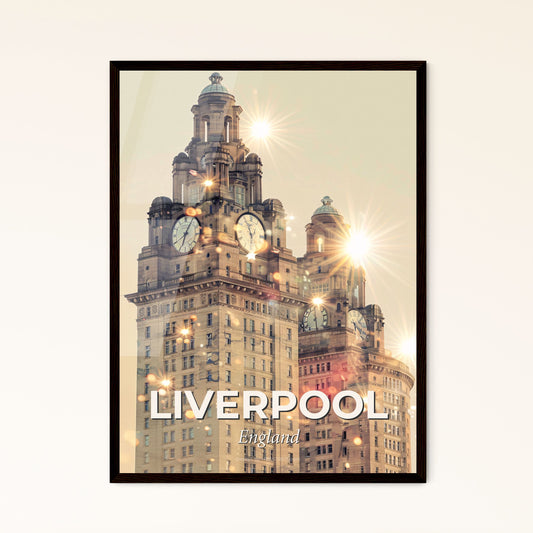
(318, 301)
(408, 346)
(260, 129)
(250, 256)
(358, 247)
(208, 183)
(165, 382)
(189, 414)
(358, 441)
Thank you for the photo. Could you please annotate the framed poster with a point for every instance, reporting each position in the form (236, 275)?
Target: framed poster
(268, 271)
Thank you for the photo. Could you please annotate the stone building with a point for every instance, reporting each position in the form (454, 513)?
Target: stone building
(223, 304)
(342, 346)
(217, 302)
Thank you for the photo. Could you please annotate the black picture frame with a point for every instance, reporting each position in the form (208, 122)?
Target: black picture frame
(419, 476)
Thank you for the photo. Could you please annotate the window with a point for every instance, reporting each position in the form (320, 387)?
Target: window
(209, 339)
(147, 332)
(249, 268)
(239, 195)
(228, 321)
(147, 440)
(146, 423)
(209, 319)
(289, 334)
(289, 352)
(147, 351)
(178, 268)
(228, 376)
(228, 358)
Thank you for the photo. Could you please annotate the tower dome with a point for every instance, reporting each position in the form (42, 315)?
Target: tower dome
(160, 202)
(326, 208)
(216, 85)
(182, 157)
(161, 206)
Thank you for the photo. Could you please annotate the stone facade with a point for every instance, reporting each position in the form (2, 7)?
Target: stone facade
(223, 304)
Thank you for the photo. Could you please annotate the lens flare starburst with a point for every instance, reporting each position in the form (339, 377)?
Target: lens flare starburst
(260, 129)
(266, 129)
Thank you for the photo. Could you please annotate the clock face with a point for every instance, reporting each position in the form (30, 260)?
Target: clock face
(315, 318)
(357, 320)
(185, 234)
(250, 233)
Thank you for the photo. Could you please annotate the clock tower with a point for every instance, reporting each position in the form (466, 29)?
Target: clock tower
(217, 302)
(341, 346)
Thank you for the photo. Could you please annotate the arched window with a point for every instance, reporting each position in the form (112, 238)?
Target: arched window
(320, 244)
(205, 122)
(239, 195)
(227, 129)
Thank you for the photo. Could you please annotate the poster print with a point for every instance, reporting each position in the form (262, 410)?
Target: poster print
(268, 271)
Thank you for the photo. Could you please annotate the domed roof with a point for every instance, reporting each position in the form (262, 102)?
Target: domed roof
(253, 158)
(273, 204)
(326, 208)
(182, 157)
(216, 86)
(161, 201)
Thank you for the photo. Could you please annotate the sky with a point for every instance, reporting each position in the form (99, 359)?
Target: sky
(350, 135)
